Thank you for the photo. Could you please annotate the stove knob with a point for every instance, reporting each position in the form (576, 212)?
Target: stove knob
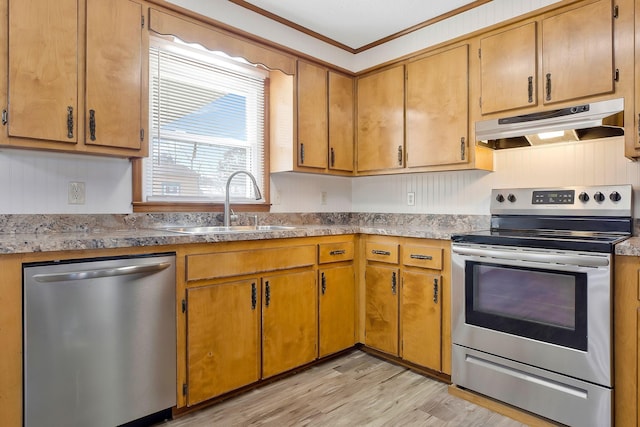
(511, 198)
(583, 197)
(615, 196)
(598, 197)
(500, 198)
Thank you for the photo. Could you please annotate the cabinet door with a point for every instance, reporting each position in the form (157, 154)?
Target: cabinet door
(312, 116)
(438, 109)
(289, 322)
(577, 52)
(114, 73)
(381, 120)
(421, 318)
(508, 69)
(341, 109)
(337, 309)
(43, 69)
(381, 308)
(223, 344)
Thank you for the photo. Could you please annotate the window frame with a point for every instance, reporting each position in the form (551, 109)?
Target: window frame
(141, 205)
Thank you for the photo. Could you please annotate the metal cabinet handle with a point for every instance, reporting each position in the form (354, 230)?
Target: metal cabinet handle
(92, 124)
(5, 117)
(379, 252)
(333, 157)
(435, 290)
(338, 252)
(399, 155)
(639, 125)
(420, 256)
(463, 148)
(69, 122)
(393, 283)
(254, 296)
(267, 294)
(323, 282)
(530, 88)
(548, 87)
(301, 153)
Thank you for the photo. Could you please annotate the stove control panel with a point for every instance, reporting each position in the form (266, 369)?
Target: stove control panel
(600, 200)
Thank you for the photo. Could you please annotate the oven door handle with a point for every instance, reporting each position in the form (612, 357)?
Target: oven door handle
(579, 260)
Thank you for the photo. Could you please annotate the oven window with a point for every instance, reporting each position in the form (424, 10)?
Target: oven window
(546, 305)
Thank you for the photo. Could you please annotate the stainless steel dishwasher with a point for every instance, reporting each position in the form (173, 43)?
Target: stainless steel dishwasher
(99, 340)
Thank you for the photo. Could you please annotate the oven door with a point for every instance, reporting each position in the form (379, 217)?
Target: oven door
(545, 308)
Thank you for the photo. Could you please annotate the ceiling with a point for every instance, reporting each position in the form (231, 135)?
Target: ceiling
(357, 25)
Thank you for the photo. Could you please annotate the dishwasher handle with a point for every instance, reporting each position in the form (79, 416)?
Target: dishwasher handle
(107, 272)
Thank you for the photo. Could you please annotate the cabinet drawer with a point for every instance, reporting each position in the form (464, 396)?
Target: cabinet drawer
(225, 264)
(382, 252)
(422, 256)
(334, 252)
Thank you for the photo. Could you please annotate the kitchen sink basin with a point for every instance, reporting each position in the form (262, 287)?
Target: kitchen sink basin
(229, 229)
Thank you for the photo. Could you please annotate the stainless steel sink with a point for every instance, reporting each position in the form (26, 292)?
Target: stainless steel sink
(229, 229)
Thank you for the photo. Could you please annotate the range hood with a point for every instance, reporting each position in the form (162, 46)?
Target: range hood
(601, 119)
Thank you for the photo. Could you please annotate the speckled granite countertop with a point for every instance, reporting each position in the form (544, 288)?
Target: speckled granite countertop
(49, 233)
(629, 247)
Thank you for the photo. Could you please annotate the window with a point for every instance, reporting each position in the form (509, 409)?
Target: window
(207, 115)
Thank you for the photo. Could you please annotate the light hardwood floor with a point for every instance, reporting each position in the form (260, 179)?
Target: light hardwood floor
(356, 389)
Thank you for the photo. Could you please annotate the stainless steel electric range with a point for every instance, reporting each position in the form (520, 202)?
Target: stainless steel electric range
(532, 301)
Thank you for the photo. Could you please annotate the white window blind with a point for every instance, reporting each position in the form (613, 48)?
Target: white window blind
(206, 122)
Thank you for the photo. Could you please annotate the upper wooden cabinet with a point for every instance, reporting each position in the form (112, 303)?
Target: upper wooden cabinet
(76, 77)
(577, 52)
(573, 49)
(381, 120)
(437, 110)
(508, 69)
(312, 116)
(323, 139)
(341, 112)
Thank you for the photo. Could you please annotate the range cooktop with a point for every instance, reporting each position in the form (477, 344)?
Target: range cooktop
(591, 219)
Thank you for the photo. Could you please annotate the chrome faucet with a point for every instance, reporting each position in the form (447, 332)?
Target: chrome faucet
(226, 220)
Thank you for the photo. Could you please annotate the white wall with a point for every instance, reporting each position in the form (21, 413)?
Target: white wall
(35, 182)
(468, 192)
(475, 19)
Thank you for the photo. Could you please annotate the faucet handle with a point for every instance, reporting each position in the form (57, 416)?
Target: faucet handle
(233, 216)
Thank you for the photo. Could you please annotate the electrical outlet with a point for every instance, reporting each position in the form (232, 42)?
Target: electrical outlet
(323, 197)
(411, 198)
(76, 193)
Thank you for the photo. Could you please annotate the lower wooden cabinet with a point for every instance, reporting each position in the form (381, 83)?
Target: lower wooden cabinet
(223, 326)
(251, 313)
(254, 310)
(421, 324)
(626, 341)
(406, 303)
(381, 319)
(289, 321)
(336, 304)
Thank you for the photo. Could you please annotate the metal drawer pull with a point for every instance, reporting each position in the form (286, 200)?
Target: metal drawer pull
(419, 256)
(393, 283)
(338, 252)
(379, 252)
(254, 296)
(435, 290)
(267, 294)
(69, 122)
